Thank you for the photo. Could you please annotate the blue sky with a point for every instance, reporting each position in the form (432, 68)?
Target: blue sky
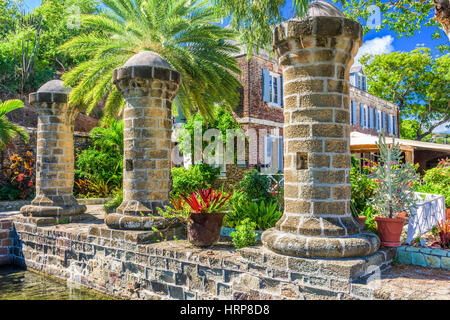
(384, 41)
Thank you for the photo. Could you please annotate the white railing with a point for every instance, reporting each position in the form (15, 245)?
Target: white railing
(430, 208)
(276, 181)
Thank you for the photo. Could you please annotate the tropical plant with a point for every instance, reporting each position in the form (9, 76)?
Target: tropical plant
(115, 202)
(253, 19)
(255, 186)
(98, 169)
(363, 186)
(9, 130)
(19, 178)
(207, 201)
(264, 215)
(394, 192)
(186, 33)
(199, 176)
(444, 234)
(245, 234)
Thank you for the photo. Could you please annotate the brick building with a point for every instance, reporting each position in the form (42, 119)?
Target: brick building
(261, 108)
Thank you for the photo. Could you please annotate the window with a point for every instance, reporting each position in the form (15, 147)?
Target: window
(353, 113)
(383, 115)
(272, 88)
(273, 152)
(361, 115)
(380, 123)
(364, 111)
(394, 123)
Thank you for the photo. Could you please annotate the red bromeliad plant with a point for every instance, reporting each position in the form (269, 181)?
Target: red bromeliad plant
(444, 234)
(207, 201)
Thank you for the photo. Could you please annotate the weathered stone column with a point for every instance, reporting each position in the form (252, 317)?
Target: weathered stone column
(316, 53)
(148, 84)
(55, 157)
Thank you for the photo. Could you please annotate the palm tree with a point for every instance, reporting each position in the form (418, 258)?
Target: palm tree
(9, 130)
(184, 32)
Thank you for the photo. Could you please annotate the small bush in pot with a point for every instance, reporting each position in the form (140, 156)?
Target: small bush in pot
(205, 219)
(394, 192)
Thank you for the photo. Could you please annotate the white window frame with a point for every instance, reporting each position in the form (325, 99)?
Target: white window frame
(366, 116)
(274, 92)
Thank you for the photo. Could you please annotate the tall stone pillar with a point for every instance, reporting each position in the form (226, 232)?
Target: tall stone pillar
(149, 85)
(316, 53)
(55, 154)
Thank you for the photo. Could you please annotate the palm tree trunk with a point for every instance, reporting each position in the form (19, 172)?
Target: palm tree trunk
(442, 14)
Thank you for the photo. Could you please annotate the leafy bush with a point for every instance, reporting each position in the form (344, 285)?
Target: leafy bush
(19, 177)
(363, 186)
(199, 176)
(255, 186)
(245, 234)
(264, 215)
(98, 171)
(437, 181)
(113, 204)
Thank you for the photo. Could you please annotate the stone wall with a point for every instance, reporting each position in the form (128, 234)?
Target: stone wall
(111, 261)
(81, 142)
(424, 257)
(6, 241)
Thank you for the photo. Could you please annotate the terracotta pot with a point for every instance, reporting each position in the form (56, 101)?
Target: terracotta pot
(362, 221)
(447, 215)
(389, 230)
(203, 229)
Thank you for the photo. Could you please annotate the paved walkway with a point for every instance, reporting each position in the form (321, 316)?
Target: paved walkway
(407, 282)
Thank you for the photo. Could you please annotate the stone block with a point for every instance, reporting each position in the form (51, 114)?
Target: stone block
(404, 257)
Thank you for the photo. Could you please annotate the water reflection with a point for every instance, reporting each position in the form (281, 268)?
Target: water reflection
(19, 284)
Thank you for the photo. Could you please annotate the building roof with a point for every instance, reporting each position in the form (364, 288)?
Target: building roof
(356, 69)
(359, 140)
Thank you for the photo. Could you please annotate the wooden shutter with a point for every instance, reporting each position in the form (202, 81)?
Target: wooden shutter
(361, 115)
(375, 114)
(266, 85)
(281, 91)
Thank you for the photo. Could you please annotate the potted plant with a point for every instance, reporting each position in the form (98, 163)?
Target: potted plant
(206, 216)
(394, 194)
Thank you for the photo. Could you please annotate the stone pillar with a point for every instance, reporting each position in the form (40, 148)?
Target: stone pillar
(316, 53)
(55, 154)
(149, 85)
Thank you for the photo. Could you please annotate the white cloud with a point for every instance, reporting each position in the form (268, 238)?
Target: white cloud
(375, 46)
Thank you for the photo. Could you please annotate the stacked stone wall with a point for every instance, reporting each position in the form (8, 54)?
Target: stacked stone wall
(111, 261)
(6, 241)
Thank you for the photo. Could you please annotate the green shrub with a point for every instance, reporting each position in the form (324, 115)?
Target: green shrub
(113, 204)
(186, 181)
(255, 186)
(264, 215)
(245, 234)
(363, 186)
(98, 170)
(437, 181)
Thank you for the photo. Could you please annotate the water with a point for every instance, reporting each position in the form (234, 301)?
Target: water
(19, 284)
